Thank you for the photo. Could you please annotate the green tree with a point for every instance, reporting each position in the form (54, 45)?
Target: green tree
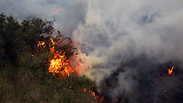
(17, 39)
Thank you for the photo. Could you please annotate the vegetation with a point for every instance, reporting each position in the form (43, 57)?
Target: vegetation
(24, 63)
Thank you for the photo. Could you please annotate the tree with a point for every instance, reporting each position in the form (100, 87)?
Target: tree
(20, 38)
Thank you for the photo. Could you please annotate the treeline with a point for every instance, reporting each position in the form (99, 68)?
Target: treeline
(25, 54)
(18, 39)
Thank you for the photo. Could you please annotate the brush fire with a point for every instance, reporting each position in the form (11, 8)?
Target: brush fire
(97, 98)
(59, 64)
(132, 48)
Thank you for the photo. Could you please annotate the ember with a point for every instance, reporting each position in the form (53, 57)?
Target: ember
(170, 71)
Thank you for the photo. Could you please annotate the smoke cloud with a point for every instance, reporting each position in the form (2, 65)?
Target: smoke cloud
(110, 34)
(115, 32)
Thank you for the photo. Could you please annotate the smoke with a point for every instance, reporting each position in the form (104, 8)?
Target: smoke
(118, 32)
(111, 34)
(115, 32)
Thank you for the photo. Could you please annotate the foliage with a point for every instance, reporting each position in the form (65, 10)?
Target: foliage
(24, 63)
(17, 39)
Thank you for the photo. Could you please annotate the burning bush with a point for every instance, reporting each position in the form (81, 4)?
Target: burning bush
(30, 53)
(32, 43)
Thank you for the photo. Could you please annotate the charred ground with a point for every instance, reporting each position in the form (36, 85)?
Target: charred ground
(150, 82)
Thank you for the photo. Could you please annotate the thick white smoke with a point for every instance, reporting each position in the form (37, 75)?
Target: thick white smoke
(117, 31)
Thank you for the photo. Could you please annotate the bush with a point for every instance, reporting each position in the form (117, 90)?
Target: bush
(26, 51)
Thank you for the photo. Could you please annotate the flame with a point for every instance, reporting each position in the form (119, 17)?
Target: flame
(84, 90)
(59, 64)
(53, 48)
(97, 98)
(41, 43)
(170, 71)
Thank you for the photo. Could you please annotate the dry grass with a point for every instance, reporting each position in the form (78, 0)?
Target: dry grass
(41, 87)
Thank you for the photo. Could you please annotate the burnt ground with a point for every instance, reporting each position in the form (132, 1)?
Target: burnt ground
(149, 83)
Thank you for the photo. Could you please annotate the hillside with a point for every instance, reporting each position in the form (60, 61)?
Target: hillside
(26, 54)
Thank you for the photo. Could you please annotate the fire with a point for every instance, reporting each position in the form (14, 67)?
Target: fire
(84, 90)
(115, 100)
(41, 43)
(97, 98)
(59, 64)
(98, 85)
(170, 71)
(53, 48)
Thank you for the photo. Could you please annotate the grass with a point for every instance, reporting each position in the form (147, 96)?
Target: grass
(24, 63)
(22, 84)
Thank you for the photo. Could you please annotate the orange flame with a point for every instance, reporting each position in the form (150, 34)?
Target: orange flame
(170, 71)
(84, 90)
(41, 43)
(97, 98)
(59, 64)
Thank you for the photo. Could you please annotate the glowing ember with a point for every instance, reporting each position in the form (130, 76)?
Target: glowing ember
(41, 43)
(98, 85)
(115, 100)
(84, 90)
(170, 71)
(164, 91)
